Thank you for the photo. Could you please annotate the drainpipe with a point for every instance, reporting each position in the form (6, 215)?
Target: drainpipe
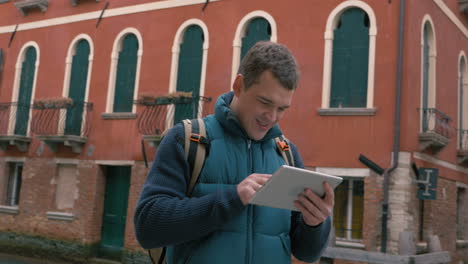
(396, 135)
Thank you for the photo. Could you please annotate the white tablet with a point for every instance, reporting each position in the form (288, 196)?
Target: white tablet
(282, 189)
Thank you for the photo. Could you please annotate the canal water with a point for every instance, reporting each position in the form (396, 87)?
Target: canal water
(10, 259)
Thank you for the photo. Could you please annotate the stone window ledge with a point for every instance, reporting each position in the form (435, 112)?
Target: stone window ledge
(118, 116)
(60, 216)
(347, 111)
(356, 244)
(13, 210)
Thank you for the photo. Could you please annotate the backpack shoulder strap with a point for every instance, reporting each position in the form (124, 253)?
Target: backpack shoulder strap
(283, 148)
(196, 144)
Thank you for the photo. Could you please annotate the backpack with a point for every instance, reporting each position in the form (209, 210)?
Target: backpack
(196, 147)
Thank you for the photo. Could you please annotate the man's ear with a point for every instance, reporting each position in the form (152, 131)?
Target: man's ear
(238, 84)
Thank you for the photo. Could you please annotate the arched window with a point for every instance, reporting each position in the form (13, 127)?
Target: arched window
(25, 92)
(189, 71)
(428, 76)
(258, 29)
(124, 73)
(349, 59)
(463, 104)
(255, 26)
(77, 87)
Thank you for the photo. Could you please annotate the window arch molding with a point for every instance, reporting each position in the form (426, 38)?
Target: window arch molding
(68, 63)
(462, 90)
(432, 39)
(117, 47)
(332, 22)
(178, 39)
(240, 33)
(17, 80)
(176, 52)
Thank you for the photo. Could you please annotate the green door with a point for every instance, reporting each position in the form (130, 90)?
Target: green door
(350, 60)
(126, 72)
(258, 29)
(189, 72)
(25, 91)
(425, 91)
(115, 210)
(78, 79)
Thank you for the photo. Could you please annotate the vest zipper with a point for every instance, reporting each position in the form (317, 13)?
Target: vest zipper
(248, 256)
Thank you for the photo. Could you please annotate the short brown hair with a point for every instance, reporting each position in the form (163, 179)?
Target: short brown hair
(270, 56)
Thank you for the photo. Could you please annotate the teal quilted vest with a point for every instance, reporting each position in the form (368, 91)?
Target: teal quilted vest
(258, 234)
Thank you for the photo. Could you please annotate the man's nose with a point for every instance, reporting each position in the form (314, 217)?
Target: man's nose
(272, 115)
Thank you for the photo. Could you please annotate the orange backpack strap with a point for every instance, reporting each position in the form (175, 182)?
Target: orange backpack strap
(285, 150)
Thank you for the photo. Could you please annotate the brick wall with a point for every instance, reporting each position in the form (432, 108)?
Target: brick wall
(139, 172)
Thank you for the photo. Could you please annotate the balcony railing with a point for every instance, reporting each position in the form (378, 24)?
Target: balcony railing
(436, 129)
(24, 5)
(14, 120)
(64, 124)
(161, 113)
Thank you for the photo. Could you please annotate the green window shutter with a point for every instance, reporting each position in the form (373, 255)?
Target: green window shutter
(25, 91)
(258, 29)
(189, 72)
(78, 80)
(126, 72)
(460, 105)
(426, 65)
(350, 60)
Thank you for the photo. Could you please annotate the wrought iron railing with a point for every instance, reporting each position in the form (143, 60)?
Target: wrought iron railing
(436, 121)
(14, 118)
(62, 121)
(154, 118)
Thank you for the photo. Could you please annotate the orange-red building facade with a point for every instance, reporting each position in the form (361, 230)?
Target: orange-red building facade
(330, 139)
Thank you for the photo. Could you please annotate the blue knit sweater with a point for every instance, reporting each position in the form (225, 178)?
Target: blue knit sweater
(166, 216)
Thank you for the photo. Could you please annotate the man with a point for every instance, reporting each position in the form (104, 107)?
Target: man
(216, 224)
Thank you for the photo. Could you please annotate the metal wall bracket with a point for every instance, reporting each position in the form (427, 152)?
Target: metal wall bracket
(76, 2)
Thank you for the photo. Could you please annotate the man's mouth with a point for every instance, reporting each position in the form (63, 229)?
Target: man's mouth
(263, 125)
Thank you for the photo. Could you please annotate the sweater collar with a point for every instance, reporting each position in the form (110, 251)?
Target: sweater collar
(230, 122)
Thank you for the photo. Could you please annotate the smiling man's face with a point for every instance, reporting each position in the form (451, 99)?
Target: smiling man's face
(260, 106)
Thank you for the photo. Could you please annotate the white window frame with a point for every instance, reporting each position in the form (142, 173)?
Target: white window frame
(17, 82)
(332, 22)
(431, 97)
(13, 174)
(240, 33)
(175, 65)
(68, 69)
(117, 47)
(350, 174)
(462, 67)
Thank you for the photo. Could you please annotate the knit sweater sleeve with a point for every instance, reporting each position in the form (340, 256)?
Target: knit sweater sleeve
(165, 215)
(307, 242)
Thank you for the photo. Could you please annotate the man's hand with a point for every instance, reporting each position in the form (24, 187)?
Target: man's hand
(250, 185)
(313, 208)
